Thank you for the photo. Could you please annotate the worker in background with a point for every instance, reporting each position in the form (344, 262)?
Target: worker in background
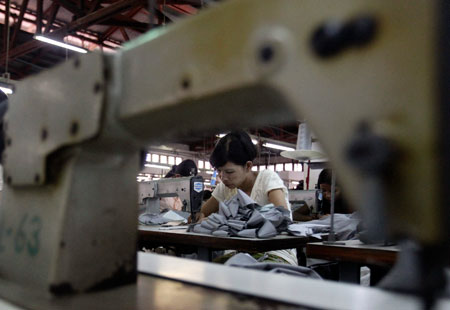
(186, 168)
(233, 158)
(324, 185)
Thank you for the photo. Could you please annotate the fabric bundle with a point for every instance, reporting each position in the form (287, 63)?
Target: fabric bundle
(344, 227)
(240, 216)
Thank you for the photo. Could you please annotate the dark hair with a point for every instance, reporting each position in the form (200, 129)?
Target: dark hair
(186, 168)
(171, 173)
(206, 194)
(236, 147)
(325, 177)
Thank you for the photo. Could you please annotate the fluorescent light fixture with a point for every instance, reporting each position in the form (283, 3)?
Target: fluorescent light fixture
(6, 90)
(157, 166)
(61, 44)
(6, 87)
(278, 147)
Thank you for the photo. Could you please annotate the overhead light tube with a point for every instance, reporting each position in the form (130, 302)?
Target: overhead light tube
(60, 44)
(278, 147)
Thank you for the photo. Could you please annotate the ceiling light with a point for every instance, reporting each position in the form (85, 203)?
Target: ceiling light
(157, 166)
(61, 44)
(278, 147)
(6, 87)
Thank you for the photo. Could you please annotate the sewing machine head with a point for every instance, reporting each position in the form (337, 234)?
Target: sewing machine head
(188, 189)
(311, 198)
(363, 75)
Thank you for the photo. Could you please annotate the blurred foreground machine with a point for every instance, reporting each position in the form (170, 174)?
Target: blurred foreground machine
(370, 77)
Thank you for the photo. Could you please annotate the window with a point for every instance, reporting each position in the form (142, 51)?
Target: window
(178, 160)
(255, 168)
(288, 167)
(279, 167)
(261, 168)
(148, 157)
(298, 167)
(271, 167)
(171, 160)
(155, 158)
(207, 165)
(200, 164)
(163, 159)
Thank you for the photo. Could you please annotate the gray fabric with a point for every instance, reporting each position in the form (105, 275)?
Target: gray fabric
(200, 230)
(245, 260)
(223, 210)
(247, 233)
(220, 233)
(158, 218)
(240, 216)
(152, 219)
(344, 226)
(267, 230)
(255, 219)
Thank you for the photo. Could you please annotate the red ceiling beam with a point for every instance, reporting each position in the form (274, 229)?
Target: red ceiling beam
(51, 16)
(82, 22)
(18, 24)
(113, 29)
(39, 14)
(5, 29)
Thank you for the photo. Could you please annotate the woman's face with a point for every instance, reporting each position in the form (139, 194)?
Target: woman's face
(233, 175)
(326, 190)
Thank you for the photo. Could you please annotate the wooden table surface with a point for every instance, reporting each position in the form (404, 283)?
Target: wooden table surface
(353, 251)
(152, 234)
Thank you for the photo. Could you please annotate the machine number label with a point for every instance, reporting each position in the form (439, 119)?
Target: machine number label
(198, 186)
(23, 237)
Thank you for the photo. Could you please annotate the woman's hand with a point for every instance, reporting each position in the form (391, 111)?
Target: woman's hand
(198, 218)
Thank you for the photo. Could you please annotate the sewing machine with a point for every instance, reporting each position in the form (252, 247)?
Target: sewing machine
(188, 189)
(311, 198)
(371, 78)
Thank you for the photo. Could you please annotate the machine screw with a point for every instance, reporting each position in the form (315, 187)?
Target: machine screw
(266, 54)
(44, 134)
(97, 87)
(74, 128)
(332, 37)
(185, 83)
(76, 63)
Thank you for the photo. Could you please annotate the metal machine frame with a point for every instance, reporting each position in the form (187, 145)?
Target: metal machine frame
(365, 77)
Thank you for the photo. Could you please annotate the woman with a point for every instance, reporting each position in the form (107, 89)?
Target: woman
(233, 159)
(324, 184)
(185, 169)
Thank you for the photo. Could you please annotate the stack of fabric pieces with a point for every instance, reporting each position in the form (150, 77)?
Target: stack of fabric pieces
(163, 218)
(344, 227)
(242, 217)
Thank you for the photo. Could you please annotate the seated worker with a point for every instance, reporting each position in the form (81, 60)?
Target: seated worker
(185, 169)
(324, 184)
(233, 158)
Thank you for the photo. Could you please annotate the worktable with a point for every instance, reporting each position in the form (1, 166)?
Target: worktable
(166, 282)
(352, 255)
(204, 245)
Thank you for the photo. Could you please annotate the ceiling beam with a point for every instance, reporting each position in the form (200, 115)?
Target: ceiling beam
(113, 29)
(6, 28)
(39, 13)
(51, 16)
(82, 22)
(18, 24)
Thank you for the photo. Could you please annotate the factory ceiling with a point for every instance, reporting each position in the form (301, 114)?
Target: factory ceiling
(94, 25)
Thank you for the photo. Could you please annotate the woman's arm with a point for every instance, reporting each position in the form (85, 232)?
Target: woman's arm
(210, 206)
(276, 196)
